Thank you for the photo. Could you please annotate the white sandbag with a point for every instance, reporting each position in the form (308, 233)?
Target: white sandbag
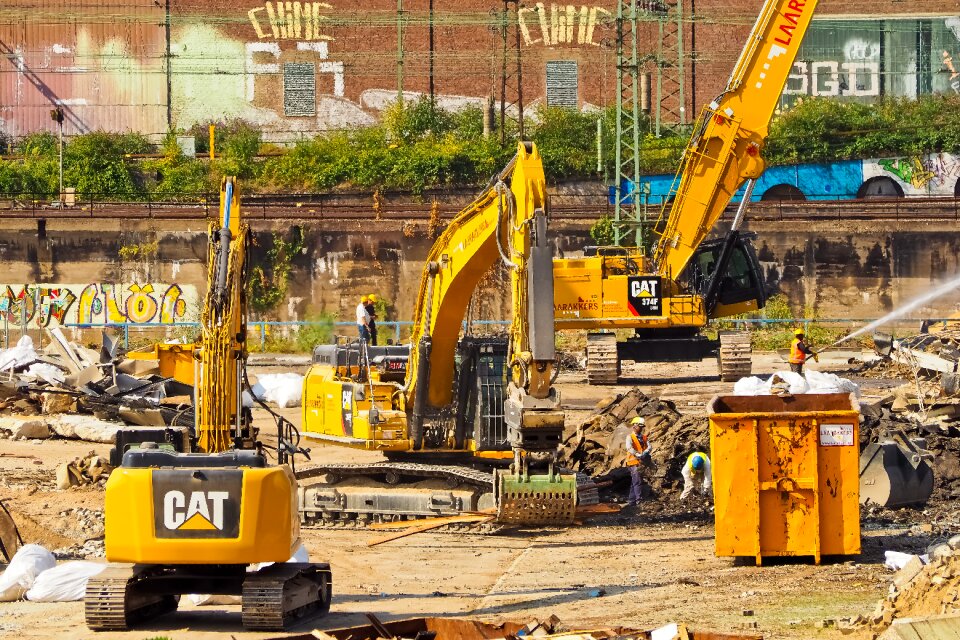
(788, 381)
(19, 355)
(283, 389)
(246, 399)
(30, 561)
(897, 560)
(751, 386)
(65, 583)
(208, 600)
(213, 600)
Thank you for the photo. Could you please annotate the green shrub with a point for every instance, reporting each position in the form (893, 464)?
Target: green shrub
(96, 165)
(320, 330)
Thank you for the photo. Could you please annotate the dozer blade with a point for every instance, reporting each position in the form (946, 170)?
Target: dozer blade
(883, 344)
(893, 477)
(536, 499)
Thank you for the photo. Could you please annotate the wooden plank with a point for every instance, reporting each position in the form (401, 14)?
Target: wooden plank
(426, 527)
(440, 521)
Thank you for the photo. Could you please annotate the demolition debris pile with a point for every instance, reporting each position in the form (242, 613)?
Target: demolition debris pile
(597, 448)
(923, 590)
(74, 392)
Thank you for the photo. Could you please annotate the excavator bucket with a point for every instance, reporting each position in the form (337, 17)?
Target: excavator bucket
(536, 500)
(883, 344)
(894, 473)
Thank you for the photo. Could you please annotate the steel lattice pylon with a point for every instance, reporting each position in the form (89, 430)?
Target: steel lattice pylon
(630, 219)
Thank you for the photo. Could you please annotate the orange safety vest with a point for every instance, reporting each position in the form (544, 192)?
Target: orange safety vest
(640, 444)
(796, 355)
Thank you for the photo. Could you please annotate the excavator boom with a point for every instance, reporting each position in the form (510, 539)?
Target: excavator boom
(726, 147)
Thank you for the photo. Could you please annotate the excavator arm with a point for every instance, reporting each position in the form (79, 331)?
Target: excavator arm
(726, 148)
(507, 222)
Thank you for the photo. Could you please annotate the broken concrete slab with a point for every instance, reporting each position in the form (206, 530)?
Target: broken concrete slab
(29, 427)
(142, 417)
(139, 368)
(938, 627)
(82, 427)
(51, 402)
(909, 571)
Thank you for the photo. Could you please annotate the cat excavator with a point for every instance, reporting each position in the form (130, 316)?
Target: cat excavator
(668, 297)
(467, 424)
(208, 513)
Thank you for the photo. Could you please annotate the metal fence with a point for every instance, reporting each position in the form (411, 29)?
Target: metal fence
(584, 207)
(264, 332)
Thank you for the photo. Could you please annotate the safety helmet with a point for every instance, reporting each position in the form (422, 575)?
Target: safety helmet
(637, 420)
(697, 462)
(372, 297)
(798, 331)
(364, 299)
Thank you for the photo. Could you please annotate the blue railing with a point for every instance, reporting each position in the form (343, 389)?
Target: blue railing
(395, 326)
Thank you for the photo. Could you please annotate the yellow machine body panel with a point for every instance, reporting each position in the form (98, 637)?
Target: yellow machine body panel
(599, 293)
(337, 409)
(201, 516)
(176, 360)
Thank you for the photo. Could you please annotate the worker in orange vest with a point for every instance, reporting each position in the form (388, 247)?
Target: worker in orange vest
(638, 450)
(799, 352)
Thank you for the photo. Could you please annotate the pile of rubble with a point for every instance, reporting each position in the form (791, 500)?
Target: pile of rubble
(90, 469)
(597, 448)
(75, 392)
(920, 589)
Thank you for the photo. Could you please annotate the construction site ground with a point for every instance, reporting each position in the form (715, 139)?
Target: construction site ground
(640, 569)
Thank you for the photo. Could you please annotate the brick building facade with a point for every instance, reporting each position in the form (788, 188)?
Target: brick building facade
(295, 68)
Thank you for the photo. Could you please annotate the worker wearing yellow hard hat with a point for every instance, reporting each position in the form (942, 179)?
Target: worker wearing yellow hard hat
(799, 352)
(638, 451)
(363, 320)
(370, 301)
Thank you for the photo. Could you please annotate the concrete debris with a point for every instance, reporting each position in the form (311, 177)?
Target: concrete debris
(597, 448)
(53, 389)
(921, 590)
(91, 469)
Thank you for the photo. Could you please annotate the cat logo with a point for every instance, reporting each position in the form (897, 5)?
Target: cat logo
(644, 296)
(197, 503)
(201, 512)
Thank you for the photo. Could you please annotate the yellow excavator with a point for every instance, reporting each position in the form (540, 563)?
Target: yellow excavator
(446, 409)
(192, 517)
(668, 297)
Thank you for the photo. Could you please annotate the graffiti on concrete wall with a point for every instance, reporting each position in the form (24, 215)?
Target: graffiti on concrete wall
(96, 303)
(931, 174)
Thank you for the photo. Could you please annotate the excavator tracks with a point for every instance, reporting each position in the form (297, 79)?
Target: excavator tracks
(284, 592)
(274, 596)
(603, 363)
(336, 496)
(734, 356)
(115, 598)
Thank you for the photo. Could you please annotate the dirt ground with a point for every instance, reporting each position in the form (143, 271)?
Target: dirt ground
(640, 570)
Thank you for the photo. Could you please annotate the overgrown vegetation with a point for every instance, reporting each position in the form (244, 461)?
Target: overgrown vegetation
(417, 146)
(268, 281)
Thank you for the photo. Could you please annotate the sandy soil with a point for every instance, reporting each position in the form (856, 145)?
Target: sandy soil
(651, 569)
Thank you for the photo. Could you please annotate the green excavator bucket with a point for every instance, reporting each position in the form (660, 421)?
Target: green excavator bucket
(542, 499)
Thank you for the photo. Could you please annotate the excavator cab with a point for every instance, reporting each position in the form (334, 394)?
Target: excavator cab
(740, 289)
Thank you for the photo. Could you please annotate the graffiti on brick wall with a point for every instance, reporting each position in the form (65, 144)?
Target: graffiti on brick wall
(96, 303)
(561, 24)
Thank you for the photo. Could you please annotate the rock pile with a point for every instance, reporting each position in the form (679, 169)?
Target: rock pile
(90, 469)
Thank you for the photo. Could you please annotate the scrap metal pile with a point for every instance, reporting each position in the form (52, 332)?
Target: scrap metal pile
(75, 392)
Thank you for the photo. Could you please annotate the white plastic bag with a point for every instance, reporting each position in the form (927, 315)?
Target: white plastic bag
(752, 386)
(29, 562)
(19, 355)
(794, 382)
(822, 382)
(65, 583)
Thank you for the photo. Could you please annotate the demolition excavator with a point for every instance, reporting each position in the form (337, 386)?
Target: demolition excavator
(198, 514)
(668, 297)
(467, 424)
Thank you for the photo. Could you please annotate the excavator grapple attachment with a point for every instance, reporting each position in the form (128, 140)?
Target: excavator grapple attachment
(536, 500)
(894, 473)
